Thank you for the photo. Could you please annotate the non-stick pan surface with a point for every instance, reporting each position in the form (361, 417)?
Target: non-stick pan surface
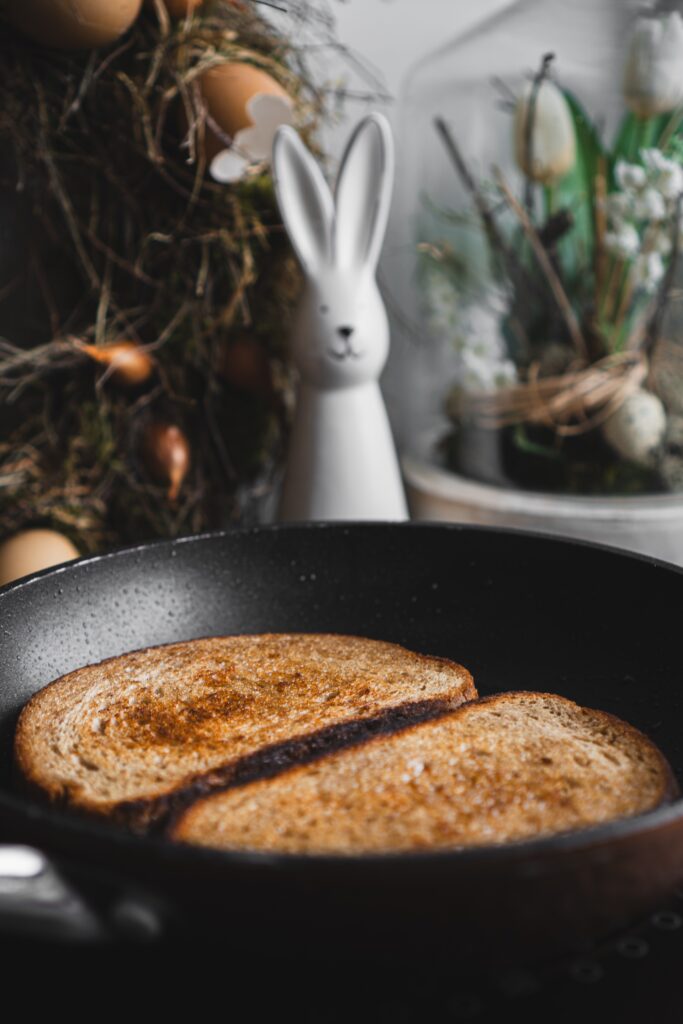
(520, 611)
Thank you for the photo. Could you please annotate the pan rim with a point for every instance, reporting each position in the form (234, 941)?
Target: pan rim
(342, 526)
(58, 821)
(63, 823)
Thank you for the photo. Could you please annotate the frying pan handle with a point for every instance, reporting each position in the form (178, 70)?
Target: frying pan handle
(36, 901)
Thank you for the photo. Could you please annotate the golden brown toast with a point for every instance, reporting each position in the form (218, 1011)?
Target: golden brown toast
(131, 737)
(503, 768)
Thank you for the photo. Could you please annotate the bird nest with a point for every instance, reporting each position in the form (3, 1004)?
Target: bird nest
(112, 230)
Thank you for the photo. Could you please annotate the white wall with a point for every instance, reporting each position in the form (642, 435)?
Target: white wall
(392, 35)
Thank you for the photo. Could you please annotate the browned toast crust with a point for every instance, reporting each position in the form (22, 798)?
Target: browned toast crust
(239, 708)
(159, 815)
(477, 777)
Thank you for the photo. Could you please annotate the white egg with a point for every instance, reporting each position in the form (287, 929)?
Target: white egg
(637, 428)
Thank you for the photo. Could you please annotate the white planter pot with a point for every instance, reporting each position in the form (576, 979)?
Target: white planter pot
(648, 525)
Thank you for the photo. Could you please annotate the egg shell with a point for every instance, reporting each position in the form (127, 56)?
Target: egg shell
(636, 429)
(33, 550)
(226, 90)
(180, 8)
(73, 24)
(244, 364)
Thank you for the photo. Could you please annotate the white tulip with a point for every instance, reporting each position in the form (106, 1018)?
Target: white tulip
(653, 76)
(553, 143)
(637, 428)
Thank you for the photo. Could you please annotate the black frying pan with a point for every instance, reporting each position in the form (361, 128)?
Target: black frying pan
(521, 611)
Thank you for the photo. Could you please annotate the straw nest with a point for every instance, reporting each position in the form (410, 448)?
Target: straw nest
(111, 230)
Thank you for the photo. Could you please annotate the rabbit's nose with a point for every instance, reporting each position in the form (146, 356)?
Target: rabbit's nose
(345, 332)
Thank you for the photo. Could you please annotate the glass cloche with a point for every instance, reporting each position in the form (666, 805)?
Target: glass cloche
(544, 153)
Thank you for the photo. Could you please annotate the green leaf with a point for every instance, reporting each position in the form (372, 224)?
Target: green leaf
(627, 143)
(576, 192)
(637, 133)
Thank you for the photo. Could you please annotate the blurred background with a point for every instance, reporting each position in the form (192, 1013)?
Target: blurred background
(530, 268)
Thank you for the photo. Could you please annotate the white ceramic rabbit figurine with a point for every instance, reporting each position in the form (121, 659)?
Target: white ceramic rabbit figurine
(342, 461)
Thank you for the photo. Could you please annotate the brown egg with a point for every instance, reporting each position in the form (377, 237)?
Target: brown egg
(226, 90)
(179, 8)
(73, 24)
(33, 550)
(245, 365)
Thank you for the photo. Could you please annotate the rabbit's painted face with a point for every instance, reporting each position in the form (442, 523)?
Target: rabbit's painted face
(341, 337)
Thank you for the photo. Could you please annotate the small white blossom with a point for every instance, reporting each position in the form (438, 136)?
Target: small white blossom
(474, 330)
(505, 373)
(648, 270)
(480, 374)
(619, 206)
(624, 243)
(660, 240)
(630, 176)
(477, 374)
(442, 303)
(649, 205)
(479, 332)
(664, 174)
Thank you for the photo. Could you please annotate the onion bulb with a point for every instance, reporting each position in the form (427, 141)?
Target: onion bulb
(166, 452)
(128, 363)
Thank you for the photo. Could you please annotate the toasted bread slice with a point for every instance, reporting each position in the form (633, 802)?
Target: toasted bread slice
(127, 737)
(503, 768)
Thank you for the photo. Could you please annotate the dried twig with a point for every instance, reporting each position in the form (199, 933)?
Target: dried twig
(495, 237)
(572, 403)
(499, 248)
(563, 304)
(600, 223)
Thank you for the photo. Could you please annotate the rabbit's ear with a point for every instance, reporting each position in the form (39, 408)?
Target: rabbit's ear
(363, 193)
(304, 199)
